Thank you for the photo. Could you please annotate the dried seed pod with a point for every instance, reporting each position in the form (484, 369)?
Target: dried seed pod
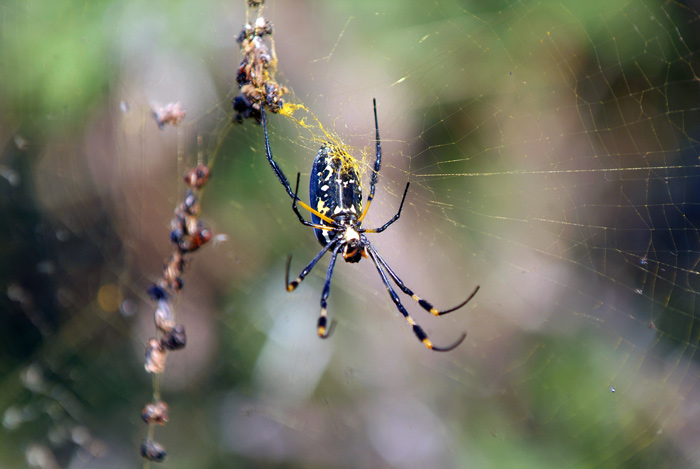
(192, 224)
(156, 292)
(175, 284)
(155, 412)
(177, 235)
(175, 339)
(272, 96)
(200, 237)
(152, 451)
(198, 176)
(171, 113)
(262, 27)
(173, 269)
(190, 205)
(155, 357)
(163, 318)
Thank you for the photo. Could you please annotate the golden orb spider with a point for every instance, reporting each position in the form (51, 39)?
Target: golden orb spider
(335, 193)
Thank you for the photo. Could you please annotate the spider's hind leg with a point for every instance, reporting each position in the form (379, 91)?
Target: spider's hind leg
(423, 303)
(417, 330)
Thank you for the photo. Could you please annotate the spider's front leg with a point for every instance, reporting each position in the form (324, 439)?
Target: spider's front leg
(278, 171)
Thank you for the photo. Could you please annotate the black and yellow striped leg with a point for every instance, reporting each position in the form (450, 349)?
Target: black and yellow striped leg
(295, 283)
(424, 304)
(422, 336)
(393, 219)
(322, 320)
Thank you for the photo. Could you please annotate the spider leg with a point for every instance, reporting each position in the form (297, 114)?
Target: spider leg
(322, 332)
(393, 219)
(422, 336)
(278, 171)
(424, 304)
(377, 164)
(295, 283)
(301, 217)
(282, 178)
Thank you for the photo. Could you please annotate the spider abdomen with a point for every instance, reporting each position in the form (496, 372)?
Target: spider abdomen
(334, 189)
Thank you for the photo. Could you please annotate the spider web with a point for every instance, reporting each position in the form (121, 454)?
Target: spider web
(552, 153)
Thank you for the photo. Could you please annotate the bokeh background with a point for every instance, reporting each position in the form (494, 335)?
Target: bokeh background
(553, 155)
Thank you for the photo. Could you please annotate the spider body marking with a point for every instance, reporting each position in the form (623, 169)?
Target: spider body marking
(335, 191)
(336, 216)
